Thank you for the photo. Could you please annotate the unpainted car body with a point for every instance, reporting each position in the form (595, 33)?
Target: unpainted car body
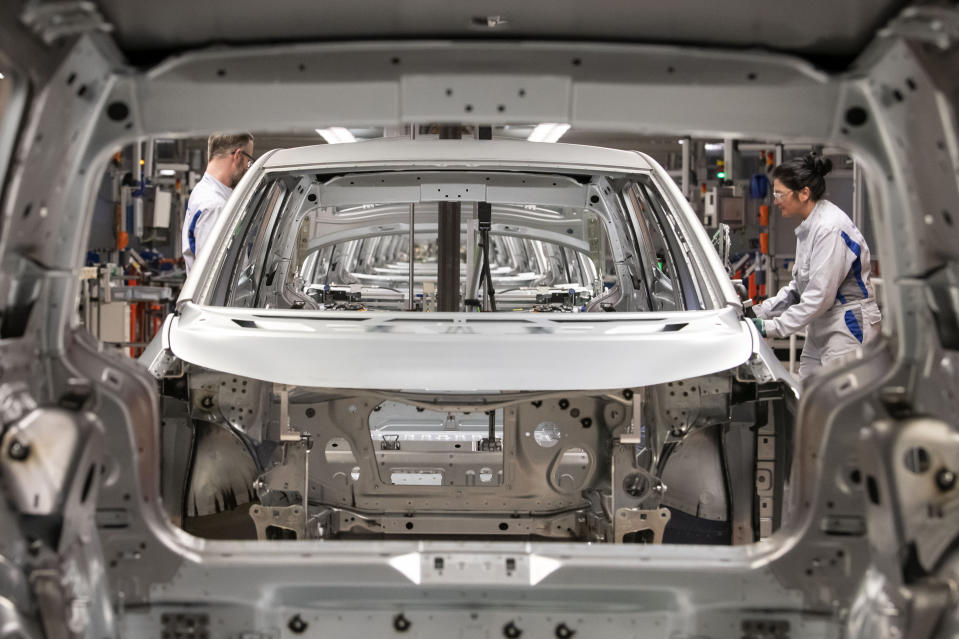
(618, 345)
(90, 549)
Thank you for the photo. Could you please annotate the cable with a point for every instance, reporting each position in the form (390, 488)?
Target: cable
(490, 291)
(485, 210)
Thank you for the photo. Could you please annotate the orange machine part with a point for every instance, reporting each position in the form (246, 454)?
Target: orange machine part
(764, 215)
(752, 286)
(764, 243)
(157, 321)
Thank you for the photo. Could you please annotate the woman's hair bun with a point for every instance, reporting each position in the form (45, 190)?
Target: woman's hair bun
(818, 164)
(805, 171)
(823, 166)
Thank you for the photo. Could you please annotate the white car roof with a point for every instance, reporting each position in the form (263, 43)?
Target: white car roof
(469, 153)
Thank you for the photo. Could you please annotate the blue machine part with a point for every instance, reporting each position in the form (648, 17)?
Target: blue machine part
(758, 186)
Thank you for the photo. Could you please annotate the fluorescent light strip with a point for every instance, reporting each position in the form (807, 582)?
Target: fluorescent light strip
(548, 132)
(336, 135)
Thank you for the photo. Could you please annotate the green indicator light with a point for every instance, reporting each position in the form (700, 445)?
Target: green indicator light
(721, 175)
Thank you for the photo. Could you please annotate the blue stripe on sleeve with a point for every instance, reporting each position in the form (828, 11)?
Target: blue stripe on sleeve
(191, 233)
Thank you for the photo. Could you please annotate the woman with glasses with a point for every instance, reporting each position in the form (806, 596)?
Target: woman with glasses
(831, 294)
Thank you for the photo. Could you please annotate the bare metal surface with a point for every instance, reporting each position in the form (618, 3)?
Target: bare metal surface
(37, 454)
(13, 622)
(630, 521)
(221, 470)
(823, 27)
(291, 518)
(53, 21)
(694, 477)
(710, 341)
(805, 573)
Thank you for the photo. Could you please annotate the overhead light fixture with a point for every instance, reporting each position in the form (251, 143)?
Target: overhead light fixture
(1, 76)
(548, 132)
(336, 135)
(714, 146)
(167, 172)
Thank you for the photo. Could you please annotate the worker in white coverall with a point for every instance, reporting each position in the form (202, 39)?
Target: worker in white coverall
(831, 293)
(229, 156)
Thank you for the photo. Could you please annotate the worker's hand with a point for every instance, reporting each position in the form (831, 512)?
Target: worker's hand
(760, 326)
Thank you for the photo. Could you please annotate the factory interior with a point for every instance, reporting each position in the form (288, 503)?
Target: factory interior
(135, 238)
(426, 319)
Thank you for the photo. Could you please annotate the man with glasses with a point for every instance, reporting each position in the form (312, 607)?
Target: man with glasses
(230, 155)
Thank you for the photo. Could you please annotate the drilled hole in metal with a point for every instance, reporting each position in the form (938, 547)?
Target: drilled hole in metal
(917, 460)
(856, 116)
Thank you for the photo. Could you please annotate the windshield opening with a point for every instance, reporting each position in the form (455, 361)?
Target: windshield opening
(520, 242)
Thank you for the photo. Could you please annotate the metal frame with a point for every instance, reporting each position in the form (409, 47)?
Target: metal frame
(893, 110)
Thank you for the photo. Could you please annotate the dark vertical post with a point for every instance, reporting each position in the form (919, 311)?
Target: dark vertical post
(448, 237)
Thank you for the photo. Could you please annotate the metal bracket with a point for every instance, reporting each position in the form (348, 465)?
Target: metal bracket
(630, 524)
(633, 485)
(693, 403)
(292, 518)
(51, 21)
(289, 476)
(635, 432)
(287, 432)
(633, 478)
(936, 25)
(162, 363)
(913, 493)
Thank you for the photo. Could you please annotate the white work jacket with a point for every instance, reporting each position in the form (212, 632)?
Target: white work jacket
(832, 275)
(202, 210)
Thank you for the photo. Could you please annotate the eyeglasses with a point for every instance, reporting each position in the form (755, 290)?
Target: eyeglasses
(249, 161)
(778, 196)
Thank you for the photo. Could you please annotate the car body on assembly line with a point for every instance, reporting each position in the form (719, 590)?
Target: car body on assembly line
(337, 433)
(594, 354)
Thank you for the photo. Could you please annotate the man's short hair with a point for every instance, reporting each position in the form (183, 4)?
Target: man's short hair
(221, 144)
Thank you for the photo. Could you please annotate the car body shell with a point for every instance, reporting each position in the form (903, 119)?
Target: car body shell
(863, 554)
